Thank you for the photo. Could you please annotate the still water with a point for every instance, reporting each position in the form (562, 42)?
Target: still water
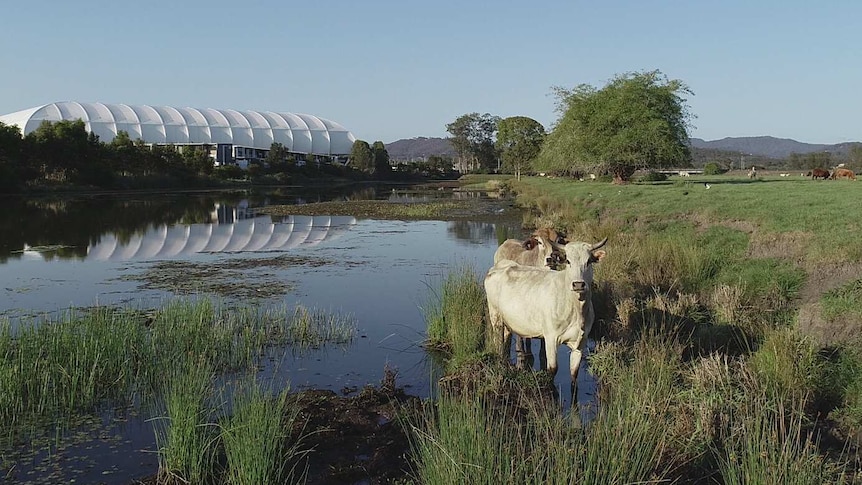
(57, 254)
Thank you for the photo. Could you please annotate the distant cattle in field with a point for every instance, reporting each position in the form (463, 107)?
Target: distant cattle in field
(752, 173)
(843, 173)
(818, 173)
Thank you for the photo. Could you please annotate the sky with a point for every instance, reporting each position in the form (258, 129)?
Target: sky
(396, 69)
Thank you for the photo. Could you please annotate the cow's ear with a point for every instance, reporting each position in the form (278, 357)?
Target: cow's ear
(530, 243)
(597, 255)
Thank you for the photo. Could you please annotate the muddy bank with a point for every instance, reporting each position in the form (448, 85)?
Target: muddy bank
(351, 439)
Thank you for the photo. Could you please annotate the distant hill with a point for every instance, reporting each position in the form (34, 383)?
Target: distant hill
(767, 147)
(419, 148)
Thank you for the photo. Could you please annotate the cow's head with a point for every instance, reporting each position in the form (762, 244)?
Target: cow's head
(551, 235)
(580, 258)
(556, 261)
(530, 244)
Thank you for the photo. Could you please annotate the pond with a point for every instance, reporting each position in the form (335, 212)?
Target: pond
(62, 253)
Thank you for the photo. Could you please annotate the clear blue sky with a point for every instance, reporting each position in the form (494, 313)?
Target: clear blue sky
(399, 69)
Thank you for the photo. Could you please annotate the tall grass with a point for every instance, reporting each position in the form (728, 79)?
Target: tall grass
(53, 368)
(254, 438)
(842, 301)
(480, 438)
(456, 318)
(70, 365)
(769, 445)
(312, 328)
(186, 437)
(786, 367)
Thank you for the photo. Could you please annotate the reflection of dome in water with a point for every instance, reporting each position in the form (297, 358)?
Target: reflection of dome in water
(256, 234)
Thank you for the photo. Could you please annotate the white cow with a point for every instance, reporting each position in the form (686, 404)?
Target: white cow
(543, 250)
(555, 305)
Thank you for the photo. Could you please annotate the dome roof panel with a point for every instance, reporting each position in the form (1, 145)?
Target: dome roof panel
(300, 133)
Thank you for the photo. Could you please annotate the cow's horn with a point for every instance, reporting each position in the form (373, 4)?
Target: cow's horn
(599, 244)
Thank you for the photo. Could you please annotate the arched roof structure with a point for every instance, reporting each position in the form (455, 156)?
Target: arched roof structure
(299, 133)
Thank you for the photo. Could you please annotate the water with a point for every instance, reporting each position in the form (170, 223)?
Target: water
(64, 253)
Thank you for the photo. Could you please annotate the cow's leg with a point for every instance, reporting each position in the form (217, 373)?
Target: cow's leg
(523, 346)
(507, 343)
(498, 330)
(524, 361)
(551, 353)
(543, 358)
(577, 348)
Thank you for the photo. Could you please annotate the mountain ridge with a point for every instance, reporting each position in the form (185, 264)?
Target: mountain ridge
(765, 146)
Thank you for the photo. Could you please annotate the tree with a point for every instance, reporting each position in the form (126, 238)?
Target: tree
(278, 159)
(638, 120)
(473, 139)
(197, 159)
(361, 156)
(519, 141)
(10, 155)
(381, 167)
(855, 156)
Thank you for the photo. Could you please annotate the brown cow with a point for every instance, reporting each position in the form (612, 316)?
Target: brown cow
(841, 173)
(819, 173)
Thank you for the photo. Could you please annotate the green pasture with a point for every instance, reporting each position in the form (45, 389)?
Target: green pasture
(822, 217)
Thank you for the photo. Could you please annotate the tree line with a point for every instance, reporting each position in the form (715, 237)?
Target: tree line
(636, 121)
(65, 154)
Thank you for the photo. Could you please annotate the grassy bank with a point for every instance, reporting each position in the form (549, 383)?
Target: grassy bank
(706, 374)
(165, 361)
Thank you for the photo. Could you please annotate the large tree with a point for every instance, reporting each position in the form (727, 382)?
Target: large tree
(519, 141)
(381, 166)
(638, 120)
(473, 140)
(361, 156)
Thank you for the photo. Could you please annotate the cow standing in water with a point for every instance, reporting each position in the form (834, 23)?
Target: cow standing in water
(543, 250)
(554, 305)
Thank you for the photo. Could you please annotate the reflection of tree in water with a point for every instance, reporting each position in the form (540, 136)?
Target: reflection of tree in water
(474, 232)
(65, 227)
(69, 226)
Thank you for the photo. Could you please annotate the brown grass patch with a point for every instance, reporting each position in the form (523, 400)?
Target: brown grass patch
(792, 246)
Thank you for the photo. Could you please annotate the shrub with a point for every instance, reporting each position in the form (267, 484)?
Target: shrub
(713, 168)
(653, 176)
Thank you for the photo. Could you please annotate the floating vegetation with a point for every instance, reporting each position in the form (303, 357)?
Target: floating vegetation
(447, 210)
(227, 278)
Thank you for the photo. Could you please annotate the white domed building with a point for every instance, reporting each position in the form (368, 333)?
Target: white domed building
(231, 136)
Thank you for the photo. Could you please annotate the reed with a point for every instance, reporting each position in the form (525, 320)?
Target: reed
(312, 328)
(769, 444)
(186, 436)
(54, 368)
(255, 441)
(481, 433)
(69, 365)
(456, 318)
